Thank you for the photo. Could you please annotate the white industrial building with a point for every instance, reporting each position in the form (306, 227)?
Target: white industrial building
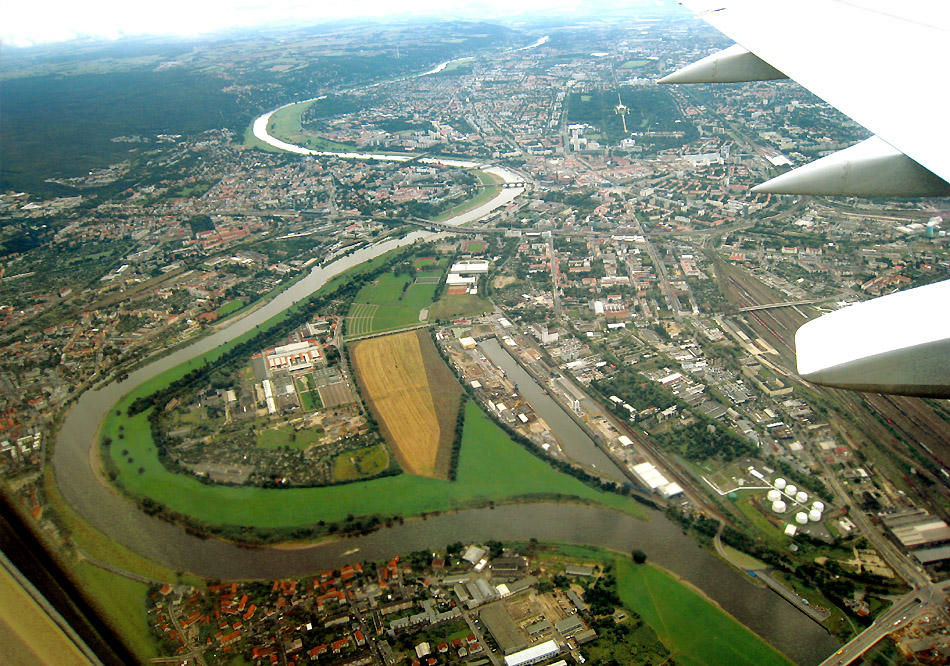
(296, 356)
(454, 279)
(653, 479)
(533, 654)
(479, 267)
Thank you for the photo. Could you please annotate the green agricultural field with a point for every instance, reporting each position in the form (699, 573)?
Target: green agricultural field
(491, 468)
(273, 438)
(696, 631)
(462, 305)
(360, 464)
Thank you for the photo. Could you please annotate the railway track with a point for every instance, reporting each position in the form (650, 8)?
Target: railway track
(905, 428)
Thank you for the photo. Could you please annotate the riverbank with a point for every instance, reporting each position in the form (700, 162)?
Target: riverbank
(175, 547)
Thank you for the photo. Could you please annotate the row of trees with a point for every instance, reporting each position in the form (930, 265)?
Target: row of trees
(560, 465)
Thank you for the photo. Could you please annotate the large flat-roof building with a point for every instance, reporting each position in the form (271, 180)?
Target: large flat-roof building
(917, 528)
(463, 267)
(295, 356)
(503, 629)
(533, 654)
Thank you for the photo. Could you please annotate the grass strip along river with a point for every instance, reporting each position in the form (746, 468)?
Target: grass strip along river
(80, 480)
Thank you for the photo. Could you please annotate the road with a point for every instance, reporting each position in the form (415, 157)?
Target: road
(664, 277)
(555, 288)
(191, 651)
(903, 610)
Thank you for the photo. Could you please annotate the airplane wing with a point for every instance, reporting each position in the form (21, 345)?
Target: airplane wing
(884, 65)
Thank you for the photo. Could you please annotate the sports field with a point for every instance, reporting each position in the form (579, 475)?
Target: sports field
(391, 302)
(392, 372)
(473, 247)
(696, 632)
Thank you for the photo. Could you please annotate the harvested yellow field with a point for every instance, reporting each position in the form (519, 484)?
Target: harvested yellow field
(392, 372)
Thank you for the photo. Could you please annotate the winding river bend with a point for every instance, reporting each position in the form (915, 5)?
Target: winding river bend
(75, 463)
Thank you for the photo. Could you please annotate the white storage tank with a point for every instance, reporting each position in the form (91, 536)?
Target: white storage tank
(818, 506)
(774, 495)
(801, 497)
(790, 490)
(780, 483)
(801, 517)
(778, 506)
(814, 515)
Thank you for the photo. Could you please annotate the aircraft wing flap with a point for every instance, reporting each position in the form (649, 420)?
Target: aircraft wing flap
(885, 70)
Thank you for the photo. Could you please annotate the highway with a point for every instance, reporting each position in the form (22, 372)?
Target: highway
(903, 610)
(925, 595)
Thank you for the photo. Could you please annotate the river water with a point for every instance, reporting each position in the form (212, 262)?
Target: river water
(664, 543)
(572, 438)
(75, 463)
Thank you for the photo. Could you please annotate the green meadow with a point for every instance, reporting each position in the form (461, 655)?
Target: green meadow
(285, 124)
(492, 468)
(229, 307)
(482, 195)
(696, 631)
(122, 602)
(398, 305)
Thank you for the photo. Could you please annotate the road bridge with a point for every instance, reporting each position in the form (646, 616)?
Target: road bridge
(379, 334)
(507, 185)
(439, 226)
(784, 304)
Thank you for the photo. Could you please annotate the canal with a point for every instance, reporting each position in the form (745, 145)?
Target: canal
(572, 438)
(78, 476)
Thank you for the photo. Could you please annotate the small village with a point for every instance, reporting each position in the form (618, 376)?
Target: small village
(463, 606)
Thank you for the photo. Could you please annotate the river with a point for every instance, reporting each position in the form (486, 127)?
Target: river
(665, 544)
(75, 463)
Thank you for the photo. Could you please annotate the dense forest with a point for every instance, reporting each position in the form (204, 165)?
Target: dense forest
(58, 125)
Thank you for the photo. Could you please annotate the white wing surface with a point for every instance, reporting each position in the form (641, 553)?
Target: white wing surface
(884, 64)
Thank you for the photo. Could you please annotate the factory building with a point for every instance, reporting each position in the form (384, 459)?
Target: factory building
(533, 654)
(653, 479)
(295, 356)
(917, 528)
